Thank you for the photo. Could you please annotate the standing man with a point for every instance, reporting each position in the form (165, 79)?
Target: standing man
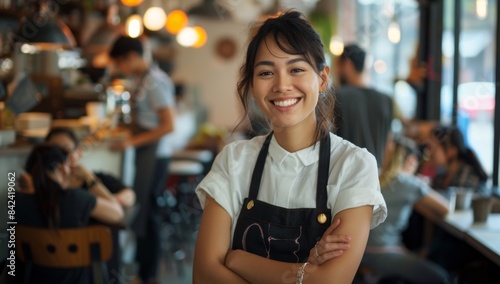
(152, 108)
(366, 114)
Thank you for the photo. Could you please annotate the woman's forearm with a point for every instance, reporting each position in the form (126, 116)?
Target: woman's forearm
(215, 273)
(126, 197)
(256, 269)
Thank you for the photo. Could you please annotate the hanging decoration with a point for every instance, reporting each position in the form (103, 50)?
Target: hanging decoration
(201, 37)
(155, 18)
(133, 25)
(176, 21)
(131, 3)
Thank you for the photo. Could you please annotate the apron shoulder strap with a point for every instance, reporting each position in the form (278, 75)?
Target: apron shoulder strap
(323, 172)
(259, 168)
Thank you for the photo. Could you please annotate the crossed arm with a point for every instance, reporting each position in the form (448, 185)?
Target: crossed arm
(215, 263)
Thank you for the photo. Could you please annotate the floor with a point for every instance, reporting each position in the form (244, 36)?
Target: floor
(176, 265)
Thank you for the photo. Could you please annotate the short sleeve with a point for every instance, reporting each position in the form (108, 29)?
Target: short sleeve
(423, 188)
(217, 183)
(161, 90)
(360, 186)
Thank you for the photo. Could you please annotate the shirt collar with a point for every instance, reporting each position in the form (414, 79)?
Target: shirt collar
(307, 156)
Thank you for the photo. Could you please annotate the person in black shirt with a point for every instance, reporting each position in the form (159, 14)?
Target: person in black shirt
(366, 114)
(81, 177)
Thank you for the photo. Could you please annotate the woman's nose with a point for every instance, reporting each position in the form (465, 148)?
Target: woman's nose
(282, 83)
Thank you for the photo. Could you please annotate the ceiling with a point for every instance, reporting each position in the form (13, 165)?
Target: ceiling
(241, 10)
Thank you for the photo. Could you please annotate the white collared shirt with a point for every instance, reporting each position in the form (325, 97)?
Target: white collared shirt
(289, 179)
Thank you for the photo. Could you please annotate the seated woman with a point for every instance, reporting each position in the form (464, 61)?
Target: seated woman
(463, 168)
(82, 177)
(52, 204)
(385, 252)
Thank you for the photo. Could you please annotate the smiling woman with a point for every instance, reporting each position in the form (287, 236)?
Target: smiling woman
(310, 191)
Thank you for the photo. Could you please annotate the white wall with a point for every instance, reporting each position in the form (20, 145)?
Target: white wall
(212, 77)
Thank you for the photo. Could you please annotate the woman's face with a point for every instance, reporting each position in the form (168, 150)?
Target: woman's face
(286, 87)
(450, 150)
(65, 142)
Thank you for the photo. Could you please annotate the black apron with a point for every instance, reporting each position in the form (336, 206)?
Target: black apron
(279, 233)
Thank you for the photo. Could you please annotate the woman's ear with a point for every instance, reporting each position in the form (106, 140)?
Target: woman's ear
(325, 79)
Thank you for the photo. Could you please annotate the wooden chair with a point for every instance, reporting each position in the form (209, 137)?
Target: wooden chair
(65, 248)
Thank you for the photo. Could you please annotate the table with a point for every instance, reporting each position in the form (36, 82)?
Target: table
(484, 237)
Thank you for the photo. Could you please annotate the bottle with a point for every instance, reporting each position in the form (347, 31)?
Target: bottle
(7, 117)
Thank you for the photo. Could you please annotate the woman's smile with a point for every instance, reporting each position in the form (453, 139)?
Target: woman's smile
(285, 103)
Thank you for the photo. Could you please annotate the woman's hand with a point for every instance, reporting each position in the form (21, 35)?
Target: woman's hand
(81, 173)
(329, 246)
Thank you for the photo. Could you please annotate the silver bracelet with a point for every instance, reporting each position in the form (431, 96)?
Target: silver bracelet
(300, 273)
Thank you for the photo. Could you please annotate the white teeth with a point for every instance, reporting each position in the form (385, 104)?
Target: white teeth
(286, 103)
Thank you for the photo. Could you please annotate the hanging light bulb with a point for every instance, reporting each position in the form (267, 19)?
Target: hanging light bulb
(134, 25)
(176, 21)
(155, 18)
(131, 3)
(187, 37)
(201, 37)
(336, 45)
(394, 32)
(481, 8)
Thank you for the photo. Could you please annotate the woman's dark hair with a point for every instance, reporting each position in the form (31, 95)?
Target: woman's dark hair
(452, 136)
(356, 55)
(293, 34)
(123, 45)
(43, 159)
(62, 130)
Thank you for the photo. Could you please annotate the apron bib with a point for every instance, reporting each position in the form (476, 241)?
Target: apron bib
(279, 233)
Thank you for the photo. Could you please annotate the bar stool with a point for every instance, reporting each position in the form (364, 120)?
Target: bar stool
(180, 209)
(205, 157)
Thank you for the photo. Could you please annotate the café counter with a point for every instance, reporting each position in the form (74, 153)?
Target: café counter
(484, 237)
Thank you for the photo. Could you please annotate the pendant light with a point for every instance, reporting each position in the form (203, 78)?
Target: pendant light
(131, 3)
(176, 21)
(44, 30)
(201, 37)
(133, 25)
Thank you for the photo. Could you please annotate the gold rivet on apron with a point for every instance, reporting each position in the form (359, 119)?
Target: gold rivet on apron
(250, 204)
(322, 218)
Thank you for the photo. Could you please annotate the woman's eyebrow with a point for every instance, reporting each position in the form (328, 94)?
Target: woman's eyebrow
(270, 63)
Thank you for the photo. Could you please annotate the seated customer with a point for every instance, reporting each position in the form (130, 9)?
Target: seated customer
(82, 178)
(463, 168)
(385, 252)
(52, 204)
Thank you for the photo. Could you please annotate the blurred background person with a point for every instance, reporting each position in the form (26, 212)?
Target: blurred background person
(82, 177)
(153, 114)
(462, 167)
(52, 203)
(366, 114)
(385, 252)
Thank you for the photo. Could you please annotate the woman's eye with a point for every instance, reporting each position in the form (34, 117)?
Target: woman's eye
(265, 73)
(297, 70)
